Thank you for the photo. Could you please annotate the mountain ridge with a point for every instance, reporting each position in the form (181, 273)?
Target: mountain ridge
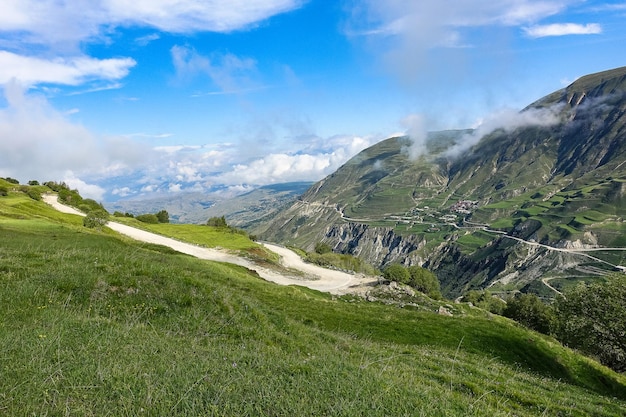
(553, 173)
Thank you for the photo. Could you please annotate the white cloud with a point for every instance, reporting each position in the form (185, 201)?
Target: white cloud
(68, 71)
(63, 22)
(415, 125)
(405, 31)
(86, 190)
(37, 142)
(122, 192)
(562, 29)
(310, 165)
(175, 188)
(507, 120)
(227, 71)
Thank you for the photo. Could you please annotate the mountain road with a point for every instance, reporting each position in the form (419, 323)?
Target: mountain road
(315, 277)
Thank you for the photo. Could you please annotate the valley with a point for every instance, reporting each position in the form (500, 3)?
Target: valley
(523, 203)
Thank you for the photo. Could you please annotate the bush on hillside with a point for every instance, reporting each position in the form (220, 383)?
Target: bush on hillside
(95, 219)
(322, 248)
(148, 218)
(4, 191)
(529, 310)
(590, 318)
(163, 216)
(397, 273)
(424, 281)
(217, 222)
(486, 301)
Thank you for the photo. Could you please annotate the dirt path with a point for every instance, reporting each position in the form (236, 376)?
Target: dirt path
(321, 279)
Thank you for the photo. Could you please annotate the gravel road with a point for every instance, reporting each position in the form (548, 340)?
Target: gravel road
(317, 278)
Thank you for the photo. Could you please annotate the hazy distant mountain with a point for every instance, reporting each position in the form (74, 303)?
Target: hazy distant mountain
(244, 211)
(554, 174)
(253, 209)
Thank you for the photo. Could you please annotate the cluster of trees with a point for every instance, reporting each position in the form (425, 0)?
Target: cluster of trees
(415, 276)
(153, 218)
(220, 223)
(324, 256)
(588, 317)
(30, 189)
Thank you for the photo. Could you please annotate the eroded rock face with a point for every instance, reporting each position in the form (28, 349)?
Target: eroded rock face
(379, 245)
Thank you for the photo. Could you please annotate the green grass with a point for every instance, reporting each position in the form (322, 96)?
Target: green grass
(93, 324)
(207, 236)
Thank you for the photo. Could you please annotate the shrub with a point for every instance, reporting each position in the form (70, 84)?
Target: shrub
(529, 310)
(217, 222)
(163, 216)
(398, 273)
(95, 219)
(591, 318)
(485, 300)
(34, 194)
(4, 191)
(424, 281)
(148, 218)
(322, 248)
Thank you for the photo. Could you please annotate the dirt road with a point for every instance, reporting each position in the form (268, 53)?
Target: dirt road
(321, 279)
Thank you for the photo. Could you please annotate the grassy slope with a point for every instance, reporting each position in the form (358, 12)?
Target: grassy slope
(92, 324)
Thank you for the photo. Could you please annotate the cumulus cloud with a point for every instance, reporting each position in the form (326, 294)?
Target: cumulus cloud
(92, 191)
(506, 120)
(562, 29)
(62, 22)
(68, 71)
(310, 165)
(38, 142)
(60, 28)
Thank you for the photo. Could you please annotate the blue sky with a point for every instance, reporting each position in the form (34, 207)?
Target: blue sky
(132, 99)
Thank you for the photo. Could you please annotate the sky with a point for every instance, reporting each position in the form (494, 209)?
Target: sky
(138, 99)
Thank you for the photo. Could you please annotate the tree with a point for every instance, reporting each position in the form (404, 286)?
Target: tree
(590, 318)
(217, 222)
(529, 310)
(148, 218)
(95, 219)
(33, 182)
(397, 273)
(424, 281)
(163, 216)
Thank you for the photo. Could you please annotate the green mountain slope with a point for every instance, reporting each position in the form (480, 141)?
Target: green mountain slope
(94, 324)
(553, 174)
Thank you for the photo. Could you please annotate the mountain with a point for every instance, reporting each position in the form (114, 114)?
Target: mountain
(252, 209)
(241, 210)
(503, 206)
(92, 321)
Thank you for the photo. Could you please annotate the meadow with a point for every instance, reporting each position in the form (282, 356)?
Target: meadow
(94, 324)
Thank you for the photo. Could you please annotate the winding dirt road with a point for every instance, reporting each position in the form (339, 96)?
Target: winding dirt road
(321, 279)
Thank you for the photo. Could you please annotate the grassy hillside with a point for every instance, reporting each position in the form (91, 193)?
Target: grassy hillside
(94, 324)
